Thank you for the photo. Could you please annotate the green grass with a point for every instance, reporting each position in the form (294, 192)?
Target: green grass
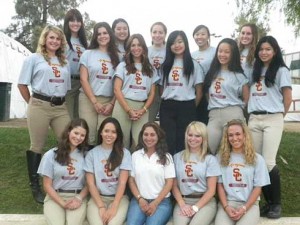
(15, 195)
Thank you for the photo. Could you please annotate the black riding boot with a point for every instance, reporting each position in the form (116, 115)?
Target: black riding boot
(275, 194)
(266, 190)
(33, 162)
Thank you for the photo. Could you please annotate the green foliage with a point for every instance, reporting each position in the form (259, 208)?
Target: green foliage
(16, 197)
(33, 15)
(291, 9)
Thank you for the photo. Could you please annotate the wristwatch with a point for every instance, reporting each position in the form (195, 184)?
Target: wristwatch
(195, 208)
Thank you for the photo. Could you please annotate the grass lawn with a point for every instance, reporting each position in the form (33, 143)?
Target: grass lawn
(15, 195)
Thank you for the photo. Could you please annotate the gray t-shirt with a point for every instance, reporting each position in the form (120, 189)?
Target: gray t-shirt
(45, 79)
(263, 98)
(204, 58)
(73, 56)
(106, 181)
(192, 175)
(66, 177)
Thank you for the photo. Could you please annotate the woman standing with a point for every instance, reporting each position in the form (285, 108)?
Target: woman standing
(227, 88)
(247, 42)
(77, 43)
(151, 179)
(97, 69)
(121, 30)
(134, 88)
(244, 173)
(47, 71)
(204, 56)
(181, 82)
(270, 99)
(197, 173)
(64, 177)
(157, 55)
(107, 168)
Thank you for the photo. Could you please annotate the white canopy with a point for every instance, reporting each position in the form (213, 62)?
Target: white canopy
(12, 55)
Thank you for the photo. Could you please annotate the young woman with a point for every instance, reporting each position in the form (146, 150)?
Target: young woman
(64, 177)
(197, 173)
(181, 82)
(77, 43)
(247, 42)
(157, 55)
(47, 71)
(204, 56)
(244, 173)
(121, 30)
(107, 169)
(97, 69)
(134, 88)
(227, 88)
(270, 99)
(151, 179)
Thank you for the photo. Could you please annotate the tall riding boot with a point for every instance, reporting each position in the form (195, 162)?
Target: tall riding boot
(266, 190)
(33, 162)
(275, 194)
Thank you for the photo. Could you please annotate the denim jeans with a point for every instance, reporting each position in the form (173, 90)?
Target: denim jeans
(136, 216)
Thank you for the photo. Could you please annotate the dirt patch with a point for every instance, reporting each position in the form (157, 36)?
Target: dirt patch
(288, 126)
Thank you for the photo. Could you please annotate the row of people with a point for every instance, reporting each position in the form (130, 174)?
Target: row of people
(126, 90)
(237, 173)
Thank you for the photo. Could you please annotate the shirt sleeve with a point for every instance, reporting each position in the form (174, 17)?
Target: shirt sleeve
(27, 70)
(88, 163)
(261, 175)
(126, 163)
(169, 168)
(46, 167)
(84, 58)
(213, 167)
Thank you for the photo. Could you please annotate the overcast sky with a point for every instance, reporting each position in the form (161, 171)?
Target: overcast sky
(218, 15)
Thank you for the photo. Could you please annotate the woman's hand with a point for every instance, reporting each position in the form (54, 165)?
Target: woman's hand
(133, 114)
(110, 214)
(107, 109)
(102, 212)
(152, 208)
(239, 213)
(73, 204)
(143, 205)
(186, 210)
(231, 212)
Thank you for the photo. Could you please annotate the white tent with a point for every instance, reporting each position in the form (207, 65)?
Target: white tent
(12, 55)
(295, 95)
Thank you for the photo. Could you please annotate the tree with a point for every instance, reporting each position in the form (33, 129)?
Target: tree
(33, 15)
(291, 9)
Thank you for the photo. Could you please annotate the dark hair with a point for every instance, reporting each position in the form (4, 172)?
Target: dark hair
(63, 149)
(254, 31)
(276, 62)
(117, 153)
(161, 146)
(147, 68)
(159, 24)
(112, 48)
(199, 27)
(188, 65)
(114, 24)
(215, 67)
(71, 15)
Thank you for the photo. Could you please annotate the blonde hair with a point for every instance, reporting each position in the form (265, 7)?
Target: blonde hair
(225, 148)
(198, 128)
(60, 53)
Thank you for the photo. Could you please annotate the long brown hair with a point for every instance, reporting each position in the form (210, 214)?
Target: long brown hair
(64, 147)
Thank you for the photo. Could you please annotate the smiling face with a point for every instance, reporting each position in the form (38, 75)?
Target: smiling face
(136, 50)
(103, 37)
(266, 53)
(201, 38)
(194, 140)
(178, 47)
(236, 138)
(224, 54)
(121, 31)
(76, 136)
(109, 135)
(246, 36)
(53, 42)
(158, 35)
(150, 138)
(74, 26)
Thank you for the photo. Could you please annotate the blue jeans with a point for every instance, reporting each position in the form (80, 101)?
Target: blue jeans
(135, 216)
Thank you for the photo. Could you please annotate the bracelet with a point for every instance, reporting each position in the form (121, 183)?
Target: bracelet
(78, 197)
(146, 110)
(225, 207)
